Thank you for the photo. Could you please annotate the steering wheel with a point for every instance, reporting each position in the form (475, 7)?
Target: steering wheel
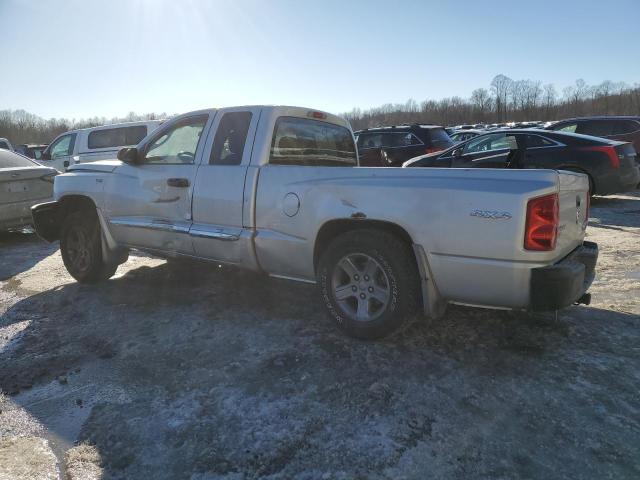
(186, 157)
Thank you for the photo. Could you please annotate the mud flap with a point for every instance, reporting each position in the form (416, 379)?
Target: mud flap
(46, 220)
(434, 306)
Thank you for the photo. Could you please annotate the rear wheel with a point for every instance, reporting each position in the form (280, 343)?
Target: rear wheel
(369, 282)
(81, 248)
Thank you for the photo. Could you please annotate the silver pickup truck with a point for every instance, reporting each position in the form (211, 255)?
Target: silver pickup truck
(278, 190)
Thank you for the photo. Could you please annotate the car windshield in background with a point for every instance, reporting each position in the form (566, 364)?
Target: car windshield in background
(9, 159)
(301, 141)
(4, 146)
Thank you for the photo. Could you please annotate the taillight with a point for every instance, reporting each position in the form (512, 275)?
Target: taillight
(541, 229)
(431, 150)
(614, 160)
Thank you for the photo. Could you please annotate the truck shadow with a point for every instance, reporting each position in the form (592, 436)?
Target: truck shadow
(24, 256)
(228, 351)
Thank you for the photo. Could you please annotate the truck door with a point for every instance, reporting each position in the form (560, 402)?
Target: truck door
(219, 200)
(149, 204)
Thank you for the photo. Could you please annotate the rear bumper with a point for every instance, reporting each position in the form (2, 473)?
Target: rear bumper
(46, 220)
(560, 285)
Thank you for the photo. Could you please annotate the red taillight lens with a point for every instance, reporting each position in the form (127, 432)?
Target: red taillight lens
(431, 150)
(541, 229)
(614, 161)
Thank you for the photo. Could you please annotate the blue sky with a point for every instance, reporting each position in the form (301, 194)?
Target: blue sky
(84, 58)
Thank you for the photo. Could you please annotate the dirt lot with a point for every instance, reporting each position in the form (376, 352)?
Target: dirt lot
(193, 371)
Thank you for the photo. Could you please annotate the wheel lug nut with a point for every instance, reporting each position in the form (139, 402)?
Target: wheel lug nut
(354, 288)
(362, 296)
(370, 289)
(356, 277)
(366, 278)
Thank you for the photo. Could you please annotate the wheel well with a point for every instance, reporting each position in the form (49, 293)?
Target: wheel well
(592, 183)
(74, 203)
(333, 228)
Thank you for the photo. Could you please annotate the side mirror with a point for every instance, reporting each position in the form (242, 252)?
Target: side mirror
(45, 155)
(457, 152)
(128, 155)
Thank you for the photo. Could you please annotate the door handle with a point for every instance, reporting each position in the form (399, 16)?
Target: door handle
(178, 182)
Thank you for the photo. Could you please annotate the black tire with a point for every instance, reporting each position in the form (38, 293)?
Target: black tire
(395, 266)
(81, 248)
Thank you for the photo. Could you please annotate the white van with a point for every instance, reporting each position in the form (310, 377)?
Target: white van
(95, 143)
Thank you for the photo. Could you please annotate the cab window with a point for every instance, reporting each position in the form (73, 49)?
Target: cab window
(231, 136)
(302, 141)
(178, 144)
(116, 137)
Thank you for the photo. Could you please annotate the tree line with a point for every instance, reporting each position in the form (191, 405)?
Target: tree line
(508, 100)
(20, 126)
(504, 100)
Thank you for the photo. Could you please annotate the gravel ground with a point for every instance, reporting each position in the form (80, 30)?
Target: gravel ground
(188, 371)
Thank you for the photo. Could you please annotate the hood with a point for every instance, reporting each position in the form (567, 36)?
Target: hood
(107, 166)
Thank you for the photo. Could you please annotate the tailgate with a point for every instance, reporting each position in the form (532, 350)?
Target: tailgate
(573, 210)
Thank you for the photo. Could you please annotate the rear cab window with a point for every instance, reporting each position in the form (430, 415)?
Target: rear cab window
(302, 141)
(116, 137)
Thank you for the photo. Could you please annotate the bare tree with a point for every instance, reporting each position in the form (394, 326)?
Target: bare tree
(500, 86)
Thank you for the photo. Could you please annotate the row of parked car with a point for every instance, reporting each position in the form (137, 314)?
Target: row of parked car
(603, 148)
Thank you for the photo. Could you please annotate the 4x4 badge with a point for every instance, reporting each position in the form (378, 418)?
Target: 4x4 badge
(491, 214)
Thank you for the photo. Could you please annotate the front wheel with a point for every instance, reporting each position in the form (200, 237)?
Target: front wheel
(369, 282)
(81, 248)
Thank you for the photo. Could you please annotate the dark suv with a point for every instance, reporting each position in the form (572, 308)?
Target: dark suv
(391, 146)
(623, 128)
